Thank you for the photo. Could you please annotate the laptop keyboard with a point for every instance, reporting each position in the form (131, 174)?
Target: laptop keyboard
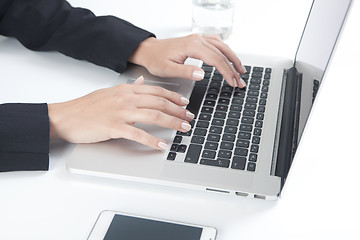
(226, 131)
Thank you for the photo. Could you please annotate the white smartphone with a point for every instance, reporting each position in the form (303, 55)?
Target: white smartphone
(112, 225)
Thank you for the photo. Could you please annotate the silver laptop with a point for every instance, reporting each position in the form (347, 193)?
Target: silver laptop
(243, 141)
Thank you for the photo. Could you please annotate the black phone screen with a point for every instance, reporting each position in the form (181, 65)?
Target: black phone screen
(134, 228)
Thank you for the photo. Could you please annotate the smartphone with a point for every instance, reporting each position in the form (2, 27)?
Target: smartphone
(112, 225)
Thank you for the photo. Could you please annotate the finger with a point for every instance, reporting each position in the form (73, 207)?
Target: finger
(174, 69)
(139, 81)
(161, 92)
(140, 136)
(156, 117)
(233, 77)
(225, 49)
(163, 105)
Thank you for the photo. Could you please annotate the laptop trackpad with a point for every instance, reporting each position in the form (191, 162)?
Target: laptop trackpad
(174, 87)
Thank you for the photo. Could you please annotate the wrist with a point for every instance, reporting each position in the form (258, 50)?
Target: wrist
(141, 53)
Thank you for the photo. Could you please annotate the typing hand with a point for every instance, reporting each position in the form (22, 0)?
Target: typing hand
(165, 57)
(111, 112)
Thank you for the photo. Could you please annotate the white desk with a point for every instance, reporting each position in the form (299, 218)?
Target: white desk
(321, 199)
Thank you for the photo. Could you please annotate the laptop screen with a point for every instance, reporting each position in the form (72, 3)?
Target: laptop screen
(317, 43)
(316, 46)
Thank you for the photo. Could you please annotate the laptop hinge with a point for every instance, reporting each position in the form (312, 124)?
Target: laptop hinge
(288, 133)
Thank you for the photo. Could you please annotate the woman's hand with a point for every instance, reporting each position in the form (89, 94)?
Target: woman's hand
(166, 57)
(111, 112)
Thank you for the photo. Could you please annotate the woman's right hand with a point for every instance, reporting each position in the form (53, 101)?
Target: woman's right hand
(111, 112)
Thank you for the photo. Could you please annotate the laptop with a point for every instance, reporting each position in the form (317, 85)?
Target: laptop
(242, 141)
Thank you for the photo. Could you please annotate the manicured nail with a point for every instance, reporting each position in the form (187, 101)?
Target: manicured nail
(198, 74)
(185, 126)
(140, 80)
(235, 83)
(190, 115)
(243, 69)
(162, 145)
(243, 83)
(184, 100)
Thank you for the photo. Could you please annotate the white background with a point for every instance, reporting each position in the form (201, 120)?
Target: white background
(321, 198)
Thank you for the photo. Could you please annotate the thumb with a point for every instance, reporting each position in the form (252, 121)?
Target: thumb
(185, 71)
(139, 81)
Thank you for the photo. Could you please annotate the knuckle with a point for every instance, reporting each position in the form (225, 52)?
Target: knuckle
(155, 116)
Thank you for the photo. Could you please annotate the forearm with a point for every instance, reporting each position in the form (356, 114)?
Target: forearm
(46, 25)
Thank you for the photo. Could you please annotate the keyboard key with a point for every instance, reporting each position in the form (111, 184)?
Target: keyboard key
(250, 106)
(174, 147)
(247, 120)
(236, 108)
(215, 130)
(233, 114)
(258, 123)
(208, 110)
(221, 115)
(208, 154)
(196, 97)
(232, 122)
(200, 131)
(217, 163)
(217, 122)
(226, 145)
(253, 157)
(260, 116)
(244, 135)
(177, 139)
(222, 108)
(230, 129)
(238, 163)
(198, 139)
(211, 145)
(241, 151)
(224, 154)
(246, 127)
(228, 137)
(249, 113)
(202, 124)
(251, 166)
(243, 143)
(257, 131)
(210, 103)
(254, 148)
(255, 140)
(171, 156)
(193, 154)
(181, 148)
(205, 116)
(213, 137)
(211, 96)
(258, 69)
(224, 101)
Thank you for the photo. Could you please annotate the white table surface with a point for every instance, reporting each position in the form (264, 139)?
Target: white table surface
(321, 197)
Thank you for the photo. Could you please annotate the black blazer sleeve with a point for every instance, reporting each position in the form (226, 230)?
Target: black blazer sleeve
(24, 137)
(45, 25)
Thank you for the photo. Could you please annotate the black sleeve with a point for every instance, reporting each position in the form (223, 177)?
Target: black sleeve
(24, 137)
(45, 25)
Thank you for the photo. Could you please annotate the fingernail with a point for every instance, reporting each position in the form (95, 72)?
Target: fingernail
(243, 83)
(162, 145)
(198, 74)
(184, 100)
(235, 83)
(185, 126)
(140, 80)
(190, 115)
(243, 69)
